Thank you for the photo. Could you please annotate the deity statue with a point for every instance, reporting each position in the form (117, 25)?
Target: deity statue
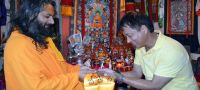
(97, 20)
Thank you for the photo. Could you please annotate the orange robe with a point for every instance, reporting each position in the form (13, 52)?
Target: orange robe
(29, 69)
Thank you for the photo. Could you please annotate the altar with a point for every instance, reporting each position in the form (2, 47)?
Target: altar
(119, 56)
(95, 38)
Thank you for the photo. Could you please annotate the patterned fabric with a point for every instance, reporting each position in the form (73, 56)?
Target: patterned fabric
(95, 82)
(180, 17)
(97, 19)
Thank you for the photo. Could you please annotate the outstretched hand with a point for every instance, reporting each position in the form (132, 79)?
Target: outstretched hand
(85, 70)
(108, 72)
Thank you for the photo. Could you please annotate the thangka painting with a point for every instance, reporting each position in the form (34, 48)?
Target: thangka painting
(180, 17)
(96, 19)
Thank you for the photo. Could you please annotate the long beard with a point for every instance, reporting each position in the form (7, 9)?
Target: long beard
(38, 32)
(39, 29)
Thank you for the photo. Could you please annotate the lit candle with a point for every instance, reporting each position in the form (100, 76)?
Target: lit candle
(119, 65)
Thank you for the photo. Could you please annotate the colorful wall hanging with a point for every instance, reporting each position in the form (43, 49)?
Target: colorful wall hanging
(97, 19)
(180, 17)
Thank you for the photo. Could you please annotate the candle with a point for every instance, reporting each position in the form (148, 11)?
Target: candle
(119, 65)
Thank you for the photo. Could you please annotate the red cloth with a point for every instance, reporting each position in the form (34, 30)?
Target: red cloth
(67, 2)
(198, 13)
(142, 6)
(130, 6)
(197, 78)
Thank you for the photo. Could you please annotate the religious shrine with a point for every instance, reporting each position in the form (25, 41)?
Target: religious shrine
(99, 44)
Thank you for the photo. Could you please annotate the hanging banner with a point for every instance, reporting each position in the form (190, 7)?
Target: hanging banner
(97, 19)
(180, 17)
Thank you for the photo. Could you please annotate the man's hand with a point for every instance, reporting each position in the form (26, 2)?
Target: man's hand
(106, 72)
(116, 75)
(85, 70)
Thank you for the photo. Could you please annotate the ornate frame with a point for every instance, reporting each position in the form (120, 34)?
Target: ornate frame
(180, 17)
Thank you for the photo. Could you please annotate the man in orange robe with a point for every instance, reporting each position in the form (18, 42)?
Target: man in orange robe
(31, 60)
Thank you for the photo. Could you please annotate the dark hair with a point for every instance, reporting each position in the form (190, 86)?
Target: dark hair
(135, 21)
(26, 21)
(98, 12)
(53, 3)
